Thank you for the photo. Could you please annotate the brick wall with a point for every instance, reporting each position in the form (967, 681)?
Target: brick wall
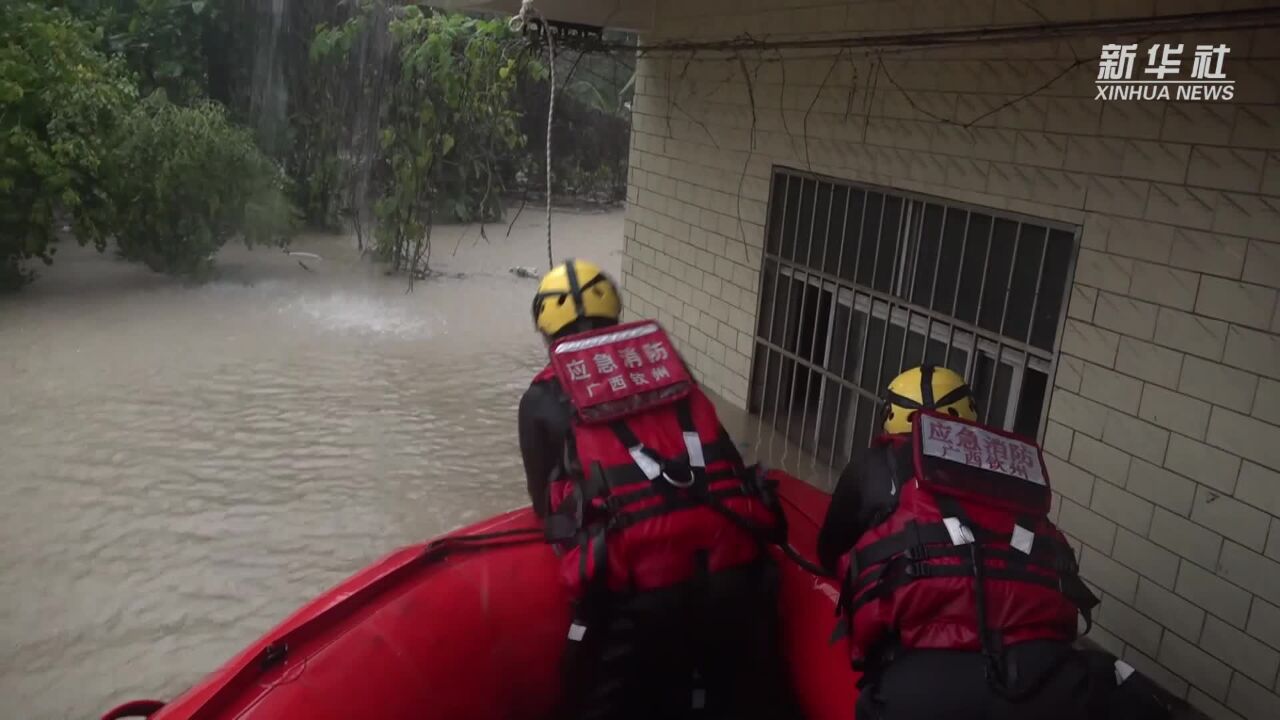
(1164, 432)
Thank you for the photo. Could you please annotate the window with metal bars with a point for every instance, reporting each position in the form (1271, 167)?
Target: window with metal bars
(859, 283)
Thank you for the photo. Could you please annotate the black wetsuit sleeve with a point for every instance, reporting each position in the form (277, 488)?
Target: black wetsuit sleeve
(865, 494)
(539, 447)
(839, 530)
(730, 448)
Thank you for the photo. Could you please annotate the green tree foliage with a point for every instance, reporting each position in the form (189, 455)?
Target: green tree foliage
(162, 40)
(60, 102)
(170, 184)
(335, 115)
(187, 181)
(380, 113)
(592, 130)
(446, 118)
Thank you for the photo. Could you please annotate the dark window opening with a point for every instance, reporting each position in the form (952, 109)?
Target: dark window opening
(859, 283)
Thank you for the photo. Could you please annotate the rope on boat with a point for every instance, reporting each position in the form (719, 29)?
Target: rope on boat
(521, 536)
(438, 549)
(483, 537)
(518, 24)
(763, 535)
(805, 563)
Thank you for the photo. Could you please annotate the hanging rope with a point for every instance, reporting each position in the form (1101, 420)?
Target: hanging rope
(518, 24)
(551, 111)
(526, 6)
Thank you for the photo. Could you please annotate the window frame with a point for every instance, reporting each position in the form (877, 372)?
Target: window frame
(812, 278)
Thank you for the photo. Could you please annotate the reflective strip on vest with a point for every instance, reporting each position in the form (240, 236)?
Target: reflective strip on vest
(1023, 539)
(647, 465)
(960, 533)
(693, 444)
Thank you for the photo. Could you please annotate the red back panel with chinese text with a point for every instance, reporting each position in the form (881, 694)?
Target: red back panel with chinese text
(965, 459)
(617, 371)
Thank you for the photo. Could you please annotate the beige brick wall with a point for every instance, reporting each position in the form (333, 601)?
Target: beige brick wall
(1164, 432)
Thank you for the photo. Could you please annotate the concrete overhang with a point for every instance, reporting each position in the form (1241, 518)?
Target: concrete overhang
(632, 15)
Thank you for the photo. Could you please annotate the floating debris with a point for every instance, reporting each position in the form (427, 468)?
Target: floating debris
(428, 274)
(525, 272)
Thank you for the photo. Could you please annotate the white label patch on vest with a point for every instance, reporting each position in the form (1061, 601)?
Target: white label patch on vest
(647, 465)
(693, 444)
(577, 632)
(606, 339)
(973, 446)
(1023, 539)
(1123, 671)
(699, 699)
(960, 535)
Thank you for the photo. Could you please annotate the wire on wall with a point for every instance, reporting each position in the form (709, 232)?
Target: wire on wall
(1251, 19)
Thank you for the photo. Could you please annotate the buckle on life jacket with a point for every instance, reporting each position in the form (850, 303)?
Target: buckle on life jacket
(917, 570)
(762, 485)
(685, 470)
(915, 551)
(565, 521)
(678, 475)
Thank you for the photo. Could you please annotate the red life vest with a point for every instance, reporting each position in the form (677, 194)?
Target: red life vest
(654, 491)
(969, 559)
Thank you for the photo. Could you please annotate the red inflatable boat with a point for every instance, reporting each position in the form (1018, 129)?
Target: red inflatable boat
(467, 628)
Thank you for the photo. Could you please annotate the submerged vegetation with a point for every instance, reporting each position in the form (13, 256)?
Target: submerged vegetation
(446, 119)
(188, 181)
(60, 103)
(80, 148)
(166, 128)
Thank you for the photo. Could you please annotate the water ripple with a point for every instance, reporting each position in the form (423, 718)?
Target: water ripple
(180, 468)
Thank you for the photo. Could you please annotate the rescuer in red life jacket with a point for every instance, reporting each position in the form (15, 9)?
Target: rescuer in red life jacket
(659, 524)
(961, 598)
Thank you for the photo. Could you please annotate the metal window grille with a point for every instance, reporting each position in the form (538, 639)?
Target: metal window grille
(860, 282)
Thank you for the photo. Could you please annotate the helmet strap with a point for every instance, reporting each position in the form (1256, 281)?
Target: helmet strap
(927, 400)
(893, 398)
(575, 290)
(885, 410)
(926, 385)
(954, 396)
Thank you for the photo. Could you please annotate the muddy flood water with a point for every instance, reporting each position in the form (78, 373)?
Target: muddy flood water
(181, 467)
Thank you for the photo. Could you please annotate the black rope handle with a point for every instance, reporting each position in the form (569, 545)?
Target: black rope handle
(481, 541)
(482, 537)
(805, 563)
(440, 548)
(763, 535)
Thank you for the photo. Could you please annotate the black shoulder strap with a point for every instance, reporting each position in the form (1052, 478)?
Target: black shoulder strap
(895, 471)
(719, 449)
(624, 434)
(952, 508)
(684, 414)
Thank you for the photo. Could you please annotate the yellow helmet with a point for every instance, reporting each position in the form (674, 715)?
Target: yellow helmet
(573, 291)
(930, 388)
